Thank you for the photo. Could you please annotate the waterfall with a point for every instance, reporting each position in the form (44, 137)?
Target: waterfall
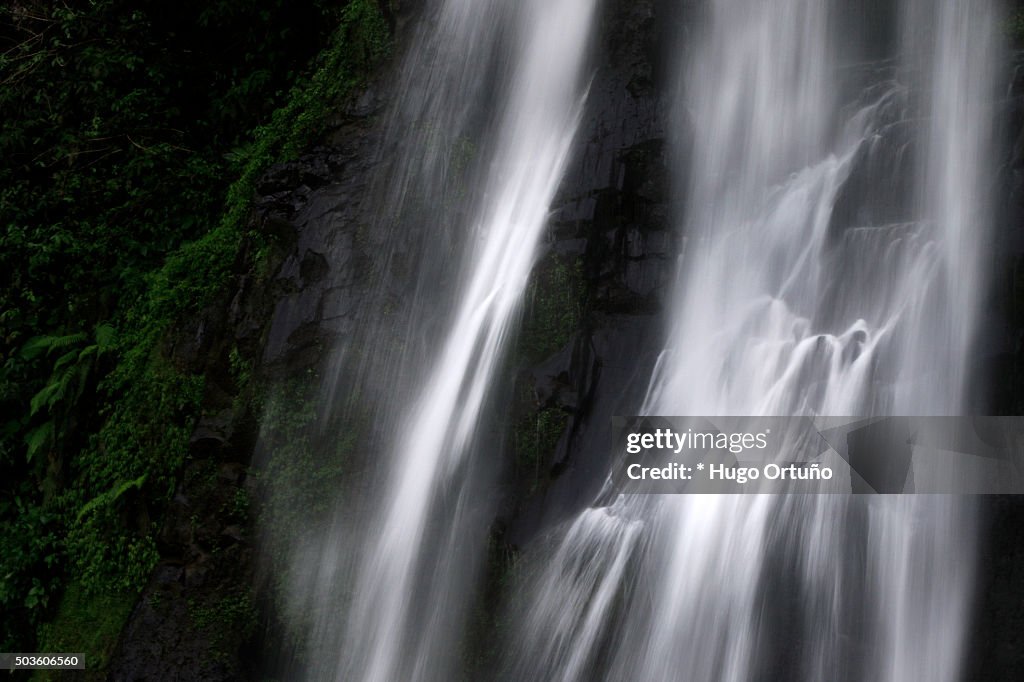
(833, 265)
(398, 610)
(389, 640)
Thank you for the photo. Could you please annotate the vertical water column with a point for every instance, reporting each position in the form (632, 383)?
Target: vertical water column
(924, 602)
(742, 340)
(436, 134)
(415, 572)
(786, 307)
(954, 45)
(760, 91)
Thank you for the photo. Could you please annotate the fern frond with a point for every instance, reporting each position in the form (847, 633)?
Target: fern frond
(45, 344)
(45, 397)
(63, 360)
(39, 437)
(104, 336)
(67, 340)
(82, 382)
(110, 496)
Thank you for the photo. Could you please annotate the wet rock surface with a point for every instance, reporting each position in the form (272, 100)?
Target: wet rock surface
(197, 618)
(993, 649)
(1001, 360)
(612, 217)
(320, 276)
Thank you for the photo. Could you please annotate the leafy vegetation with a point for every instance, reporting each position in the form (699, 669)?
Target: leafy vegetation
(228, 622)
(87, 623)
(310, 457)
(134, 136)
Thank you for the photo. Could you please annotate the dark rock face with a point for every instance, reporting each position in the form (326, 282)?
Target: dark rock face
(611, 213)
(880, 189)
(197, 618)
(196, 615)
(319, 277)
(1002, 362)
(994, 651)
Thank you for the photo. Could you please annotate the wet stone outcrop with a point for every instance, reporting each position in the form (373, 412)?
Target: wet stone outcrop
(993, 649)
(318, 281)
(612, 220)
(198, 618)
(1003, 333)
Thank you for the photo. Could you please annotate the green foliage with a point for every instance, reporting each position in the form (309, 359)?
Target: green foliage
(300, 479)
(229, 620)
(308, 459)
(231, 611)
(239, 506)
(88, 623)
(69, 378)
(110, 496)
(140, 448)
(241, 369)
(154, 394)
(126, 193)
(361, 40)
(30, 579)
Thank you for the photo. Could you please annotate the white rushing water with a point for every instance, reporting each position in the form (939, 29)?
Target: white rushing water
(799, 292)
(414, 574)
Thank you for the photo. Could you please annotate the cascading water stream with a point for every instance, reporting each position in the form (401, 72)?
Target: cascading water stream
(799, 293)
(414, 576)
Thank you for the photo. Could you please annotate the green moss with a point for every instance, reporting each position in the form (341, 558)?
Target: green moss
(309, 458)
(555, 301)
(481, 649)
(241, 369)
(88, 622)
(535, 437)
(126, 475)
(300, 477)
(192, 276)
(237, 508)
(228, 621)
